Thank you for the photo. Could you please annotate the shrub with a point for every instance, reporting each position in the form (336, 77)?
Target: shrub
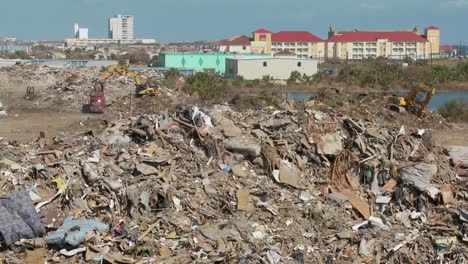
(294, 78)
(455, 110)
(172, 73)
(205, 86)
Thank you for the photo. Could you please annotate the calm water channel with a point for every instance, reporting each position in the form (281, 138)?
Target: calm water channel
(437, 100)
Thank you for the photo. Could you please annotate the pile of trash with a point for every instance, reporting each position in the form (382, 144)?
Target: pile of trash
(271, 185)
(67, 89)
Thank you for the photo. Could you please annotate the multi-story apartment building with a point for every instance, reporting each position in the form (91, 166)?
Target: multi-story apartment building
(302, 43)
(387, 44)
(121, 27)
(80, 33)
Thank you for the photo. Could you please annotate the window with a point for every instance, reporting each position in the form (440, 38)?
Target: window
(244, 47)
(264, 64)
(262, 37)
(299, 64)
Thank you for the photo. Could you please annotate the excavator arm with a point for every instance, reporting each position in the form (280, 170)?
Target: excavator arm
(141, 88)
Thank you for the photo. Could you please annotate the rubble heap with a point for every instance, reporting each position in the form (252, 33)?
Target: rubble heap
(67, 89)
(292, 185)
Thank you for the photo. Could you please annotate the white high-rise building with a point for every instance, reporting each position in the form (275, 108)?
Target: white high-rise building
(80, 33)
(121, 27)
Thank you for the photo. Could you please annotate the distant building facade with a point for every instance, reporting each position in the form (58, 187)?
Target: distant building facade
(278, 68)
(121, 27)
(448, 51)
(432, 34)
(73, 42)
(388, 44)
(237, 44)
(80, 33)
(302, 43)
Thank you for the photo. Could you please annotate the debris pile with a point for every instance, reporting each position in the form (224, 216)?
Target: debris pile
(276, 185)
(67, 89)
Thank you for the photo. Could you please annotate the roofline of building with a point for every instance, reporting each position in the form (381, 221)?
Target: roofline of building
(271, 58)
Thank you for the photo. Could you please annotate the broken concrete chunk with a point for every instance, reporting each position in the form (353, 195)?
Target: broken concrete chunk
(289, 174)
(383, 199)
(419, 176)
(240, 170)
(244, 146)
(338, 197)
(459, 154)
(305, 196)
(330, 144)
(378, 222)
(220, 230)
(146, 169)
(366, 247)
(259, 134)
(114, 185)
(226, 124)
(90, 173)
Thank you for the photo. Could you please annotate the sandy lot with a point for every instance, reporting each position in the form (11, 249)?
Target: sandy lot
(26, 126)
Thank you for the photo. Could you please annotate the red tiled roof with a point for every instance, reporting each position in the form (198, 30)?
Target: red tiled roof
(432, 27)
(262, 30)
(294, 36)
(447, 47)
(369, 36)
(234, 41)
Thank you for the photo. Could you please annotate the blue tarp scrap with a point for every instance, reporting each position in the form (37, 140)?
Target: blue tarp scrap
(73, 232)
(18, 218)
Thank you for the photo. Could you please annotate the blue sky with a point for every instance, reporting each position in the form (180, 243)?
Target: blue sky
(187, 20)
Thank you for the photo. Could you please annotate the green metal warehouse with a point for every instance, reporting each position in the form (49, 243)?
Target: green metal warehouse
(199, 61)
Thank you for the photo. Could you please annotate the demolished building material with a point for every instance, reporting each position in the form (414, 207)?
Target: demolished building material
(310, 184)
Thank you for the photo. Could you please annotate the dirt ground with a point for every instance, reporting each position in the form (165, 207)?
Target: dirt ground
(458, 135)
(24, 126)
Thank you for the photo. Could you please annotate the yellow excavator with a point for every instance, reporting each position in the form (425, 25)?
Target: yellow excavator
(141, 88)
(413, 102)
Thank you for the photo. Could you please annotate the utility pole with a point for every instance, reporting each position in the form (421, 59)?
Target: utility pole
(430, 50)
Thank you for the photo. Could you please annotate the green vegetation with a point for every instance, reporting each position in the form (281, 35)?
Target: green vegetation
(171, 79)
(376, 73)
(78, 54)
(455, 110)
(383, 73)
(296, 78)
(205, 86)
(21, 55)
